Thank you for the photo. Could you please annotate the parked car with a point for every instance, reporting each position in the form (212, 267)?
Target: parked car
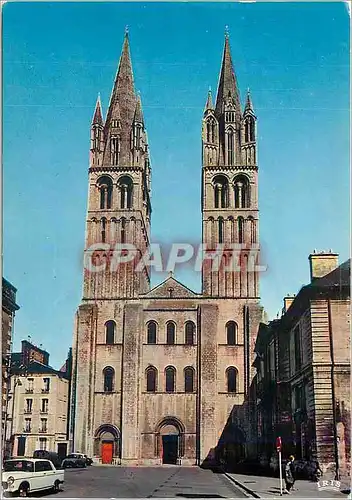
(27, 475)
(74, 460)
(88, 460)
(48, 455)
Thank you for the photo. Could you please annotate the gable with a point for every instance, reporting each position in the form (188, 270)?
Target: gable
(170, 288)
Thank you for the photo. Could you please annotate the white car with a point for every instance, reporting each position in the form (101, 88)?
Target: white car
(22, 476)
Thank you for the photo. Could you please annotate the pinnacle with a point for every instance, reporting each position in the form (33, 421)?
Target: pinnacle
(138, 115)
(249, 105)
(98, 115)
(209, 103)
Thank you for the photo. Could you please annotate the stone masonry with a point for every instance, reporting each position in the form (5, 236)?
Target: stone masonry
(158, 372)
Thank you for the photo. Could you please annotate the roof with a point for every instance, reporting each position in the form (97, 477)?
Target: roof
(170, 288)
(33, 367)
(339, 277)
(334, 285)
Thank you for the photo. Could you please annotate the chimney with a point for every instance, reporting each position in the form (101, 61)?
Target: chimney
(287, 302)
(322, 263)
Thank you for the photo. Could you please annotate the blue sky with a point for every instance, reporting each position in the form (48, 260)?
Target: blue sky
(58, 56)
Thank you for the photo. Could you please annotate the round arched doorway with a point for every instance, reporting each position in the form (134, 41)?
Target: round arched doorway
(107, 443)
(170, 435)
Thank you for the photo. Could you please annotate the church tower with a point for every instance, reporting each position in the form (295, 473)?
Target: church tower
(229, 190)
(119, 208)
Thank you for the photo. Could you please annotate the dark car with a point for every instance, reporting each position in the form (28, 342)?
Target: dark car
(74, 460)
(89, 461)
(48, 455)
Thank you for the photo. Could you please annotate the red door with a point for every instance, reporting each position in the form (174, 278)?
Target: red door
(106, 453)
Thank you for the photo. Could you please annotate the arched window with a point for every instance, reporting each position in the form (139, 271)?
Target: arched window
(190, 328)
(138, 136)
(252, 229)
(252, 130)
(231, 333)
(221, 230)
(211, 130)
(125, 185)
(103, 230)
(246, 131)
(110, 332)
(114, 150)
(109, 375)
(230, 147)
(242, 192)
(151, 332)
(152, 376)
(170, 333)
(189, 379)
(221, 191)
(170, 378)
(231, 375)
(105, 186)
(123, 230)
(240, 222)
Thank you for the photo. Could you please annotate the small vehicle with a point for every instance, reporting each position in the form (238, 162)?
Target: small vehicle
(74, 460)
(48, 455)
(27, 475)
(88, 460)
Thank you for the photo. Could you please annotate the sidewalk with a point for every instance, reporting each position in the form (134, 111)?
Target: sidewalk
(269, 487)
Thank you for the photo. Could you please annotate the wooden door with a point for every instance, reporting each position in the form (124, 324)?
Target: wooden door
(107, 452)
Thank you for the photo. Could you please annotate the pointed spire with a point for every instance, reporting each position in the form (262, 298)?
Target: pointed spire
(98, 115)
(123, 90)
(248, 109)
(227, 81)
(209, 103)
(138, 115)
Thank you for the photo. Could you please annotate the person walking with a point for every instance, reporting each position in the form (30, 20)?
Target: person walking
(290, 475)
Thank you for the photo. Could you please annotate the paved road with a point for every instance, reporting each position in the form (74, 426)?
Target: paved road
(146, 482)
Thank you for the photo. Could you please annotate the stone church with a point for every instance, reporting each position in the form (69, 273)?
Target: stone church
(161, 374)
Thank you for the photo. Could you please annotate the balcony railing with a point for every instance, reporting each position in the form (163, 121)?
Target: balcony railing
(28, 410)
(43, 430)
(44, 411)
(29, 390)
(27, 431)
(45, 391)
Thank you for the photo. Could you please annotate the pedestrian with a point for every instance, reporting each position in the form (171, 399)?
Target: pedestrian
(289, 474)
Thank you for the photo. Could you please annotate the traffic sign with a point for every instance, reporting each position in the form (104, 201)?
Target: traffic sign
(278, 444)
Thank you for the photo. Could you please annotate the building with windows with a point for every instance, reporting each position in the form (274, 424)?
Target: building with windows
(9, 308)
(158, 371)
(39, 403)
(302, 381)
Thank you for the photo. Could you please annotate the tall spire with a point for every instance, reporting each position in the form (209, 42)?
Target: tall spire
(123, 90)
(98, 115)
(122, 106)
(227, 81)
(209, 103)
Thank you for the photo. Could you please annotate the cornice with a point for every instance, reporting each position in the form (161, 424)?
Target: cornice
(231, 168)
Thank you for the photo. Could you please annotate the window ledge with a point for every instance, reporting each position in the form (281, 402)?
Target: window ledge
(231, 345)
(164, 392)
(231, 393)
(172, 345)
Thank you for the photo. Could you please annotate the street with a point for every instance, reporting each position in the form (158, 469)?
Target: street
(146, 482)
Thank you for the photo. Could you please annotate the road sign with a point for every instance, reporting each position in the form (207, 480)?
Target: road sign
(278, 444)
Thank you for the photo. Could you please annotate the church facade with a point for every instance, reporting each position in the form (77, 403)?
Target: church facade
(161, 373)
